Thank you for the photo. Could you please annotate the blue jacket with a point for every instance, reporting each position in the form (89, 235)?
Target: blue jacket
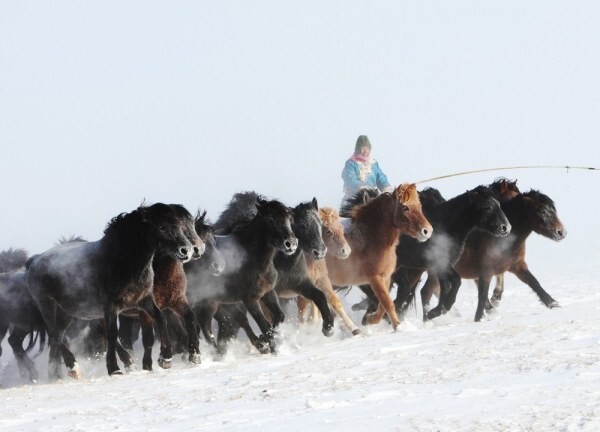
(363, 174)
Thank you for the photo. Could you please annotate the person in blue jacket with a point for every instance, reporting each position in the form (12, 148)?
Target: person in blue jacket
(361, 171)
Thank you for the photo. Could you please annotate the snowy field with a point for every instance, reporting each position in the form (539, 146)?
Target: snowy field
(525, 368)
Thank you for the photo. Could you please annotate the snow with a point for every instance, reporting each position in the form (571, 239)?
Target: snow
(523, 368)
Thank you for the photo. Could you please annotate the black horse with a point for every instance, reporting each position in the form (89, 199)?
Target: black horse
(292, 275)
(19, 314)
(249, 249)
(91, 280)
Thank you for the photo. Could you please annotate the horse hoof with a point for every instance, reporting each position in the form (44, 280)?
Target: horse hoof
(553, 304)
(194, 358)
(75, 372)
(116, 372)
(130, 368)
(356, 332)
(164, 363)
(328, 331)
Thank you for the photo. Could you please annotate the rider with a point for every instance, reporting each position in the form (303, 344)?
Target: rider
(362, 171)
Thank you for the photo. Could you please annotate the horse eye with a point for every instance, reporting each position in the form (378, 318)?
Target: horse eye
(162, 228)
(487, 208)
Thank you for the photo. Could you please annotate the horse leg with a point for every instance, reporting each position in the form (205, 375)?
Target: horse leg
(183, 309)
(204, 315)
(126, 332)
(149, 306)
(380, 286)
(48, 309)
(522, 272)
(498, 291)
(271, 301)
(337, 305)
(449, 281)
(303, 304)
(268, 334)
(3, 330)
(147, 326)
(231, 319)
(112, 334)
(15, 340)
(309, 291)
(483, 288)
(429, 288)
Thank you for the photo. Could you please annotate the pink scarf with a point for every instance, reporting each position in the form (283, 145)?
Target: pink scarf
(360, 158)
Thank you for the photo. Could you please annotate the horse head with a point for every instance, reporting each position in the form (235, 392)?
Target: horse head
(333, 233)
(488, 213)
(212, 259)
(278, 221)
(174, 229)
(307, 227)
(408, 214)
(542, 215)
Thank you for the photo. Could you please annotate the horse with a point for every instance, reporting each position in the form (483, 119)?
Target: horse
(485, 257)
(373, 233)
(293, 278)
(169, 290)
(249, 249)
(452, 220)
(18, 312)
(338, 247)
(99, 279)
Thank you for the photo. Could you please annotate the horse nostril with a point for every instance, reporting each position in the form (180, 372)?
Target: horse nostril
(425, 231)
(183, 251)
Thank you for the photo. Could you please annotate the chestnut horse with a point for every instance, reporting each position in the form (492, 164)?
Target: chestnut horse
(338, 247)
(373, 233)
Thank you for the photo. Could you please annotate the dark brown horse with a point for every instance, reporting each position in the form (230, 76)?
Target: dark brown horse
(485, 256)
(169, 290)
(373, 233)
(91, 280)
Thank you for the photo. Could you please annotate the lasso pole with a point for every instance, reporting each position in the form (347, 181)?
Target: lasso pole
(511, 168)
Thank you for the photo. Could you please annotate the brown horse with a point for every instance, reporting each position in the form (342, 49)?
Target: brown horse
(338, 247)
(373, 233)
(485, 257)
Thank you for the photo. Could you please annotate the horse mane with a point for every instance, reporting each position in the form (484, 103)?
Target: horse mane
(123, 223)
(361, 197)
(407, 194)
(540, 197)
(71, 239)
(328, 215)
(12, 259)
(201, 218)
(430, 196)
(240, 210)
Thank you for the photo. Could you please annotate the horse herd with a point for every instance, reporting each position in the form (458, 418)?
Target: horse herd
(159, 270)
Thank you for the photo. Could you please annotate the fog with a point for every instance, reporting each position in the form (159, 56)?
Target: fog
(103, 105)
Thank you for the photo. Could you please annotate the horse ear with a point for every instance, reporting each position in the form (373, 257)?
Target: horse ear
(315, 204)
(260, 203)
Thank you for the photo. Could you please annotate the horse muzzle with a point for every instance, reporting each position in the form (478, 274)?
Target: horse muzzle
(289, 246)
(424, 234)
(319, 254)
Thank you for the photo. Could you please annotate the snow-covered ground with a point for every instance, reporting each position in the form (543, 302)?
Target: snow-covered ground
(524, 368)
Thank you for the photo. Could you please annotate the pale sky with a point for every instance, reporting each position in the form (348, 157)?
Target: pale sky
(104, 104)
